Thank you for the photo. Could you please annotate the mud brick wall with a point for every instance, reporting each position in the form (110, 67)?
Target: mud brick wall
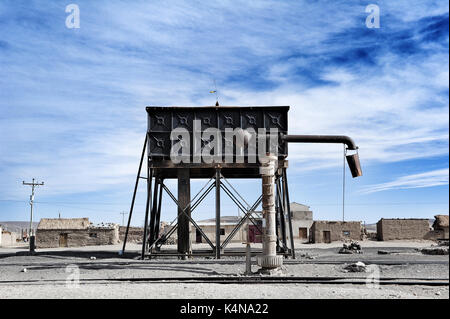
(336, 230)
(135, 234)
(398, 229)
(77, 238)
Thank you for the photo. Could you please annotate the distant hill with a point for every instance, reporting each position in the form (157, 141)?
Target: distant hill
(16, 227)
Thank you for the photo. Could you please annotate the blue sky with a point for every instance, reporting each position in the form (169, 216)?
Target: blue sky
(73, 101)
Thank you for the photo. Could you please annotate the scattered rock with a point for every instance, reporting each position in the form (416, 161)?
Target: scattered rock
(357, 267)
(388, 252)
(435, 251)
(24, 270)
(93, 258)
(307, 256)
(438, 293)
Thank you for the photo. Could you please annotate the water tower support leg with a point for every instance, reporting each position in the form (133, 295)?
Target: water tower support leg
(184, 199)
(218, 213)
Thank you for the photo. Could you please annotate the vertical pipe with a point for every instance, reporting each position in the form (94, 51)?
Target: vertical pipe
(147, 206)
(288, 207)
(138, 176)
(269, 259)
(218, 213)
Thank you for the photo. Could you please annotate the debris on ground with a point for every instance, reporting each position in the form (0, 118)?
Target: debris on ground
(356, 267)
(435, 251)
(24, 270)
(388, 252)
(443, 242)
(93, 258)
(307, 256)
(353, 248)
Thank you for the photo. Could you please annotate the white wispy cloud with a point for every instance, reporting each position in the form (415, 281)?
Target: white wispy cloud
(72, 101)
(427, 179)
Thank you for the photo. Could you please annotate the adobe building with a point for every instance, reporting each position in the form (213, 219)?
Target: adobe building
(135, 234)
(328, 231)
(8, 238)
(74, 232)
(227, 224)
(440, 227)
(302, 220)
(403, 229)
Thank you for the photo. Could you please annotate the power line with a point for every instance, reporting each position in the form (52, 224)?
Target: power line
(33, 184)
(123, 217)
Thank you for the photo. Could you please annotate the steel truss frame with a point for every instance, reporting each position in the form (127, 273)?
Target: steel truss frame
(152, 240)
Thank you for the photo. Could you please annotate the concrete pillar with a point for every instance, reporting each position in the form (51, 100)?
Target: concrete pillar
(184, 198)
(269, 259)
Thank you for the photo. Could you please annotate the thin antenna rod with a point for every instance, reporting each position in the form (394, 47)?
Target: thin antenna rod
(215, 92)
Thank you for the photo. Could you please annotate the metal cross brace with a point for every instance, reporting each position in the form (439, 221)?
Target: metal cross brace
(195, 205)
(247, 214)
(183, 211)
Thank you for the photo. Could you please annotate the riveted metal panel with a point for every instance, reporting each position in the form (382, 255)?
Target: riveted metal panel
(162, 120)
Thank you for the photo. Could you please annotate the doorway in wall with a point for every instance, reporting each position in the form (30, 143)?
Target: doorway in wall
(254, 235)
(63, 240)
(198, 237)
(303, 233)
(326, 236)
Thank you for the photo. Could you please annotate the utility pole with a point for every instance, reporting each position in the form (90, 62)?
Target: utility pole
(123, 217)
(33, 184)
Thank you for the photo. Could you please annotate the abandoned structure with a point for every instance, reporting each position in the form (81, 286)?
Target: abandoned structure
(398, 229)
(74, 232)
(440, 227)
(185, 132)
(302, 220)
(134, 234)
(227, 223)
(329, 231)
(7, 237)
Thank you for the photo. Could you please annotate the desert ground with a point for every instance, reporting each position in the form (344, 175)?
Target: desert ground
(103, 273)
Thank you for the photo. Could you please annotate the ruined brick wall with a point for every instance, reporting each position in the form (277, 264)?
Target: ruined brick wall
(338, 231)
(135, 234)
(398, 229)
(77, 238)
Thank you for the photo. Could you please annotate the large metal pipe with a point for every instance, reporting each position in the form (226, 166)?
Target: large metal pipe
(338, 139)
(352, 160)
(269, 259)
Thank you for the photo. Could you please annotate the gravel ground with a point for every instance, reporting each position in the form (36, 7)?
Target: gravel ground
(321, 260)
(206, 291)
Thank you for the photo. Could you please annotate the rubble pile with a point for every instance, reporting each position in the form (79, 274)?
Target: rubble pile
(439, 250)
(356, 267)
(352, 248)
